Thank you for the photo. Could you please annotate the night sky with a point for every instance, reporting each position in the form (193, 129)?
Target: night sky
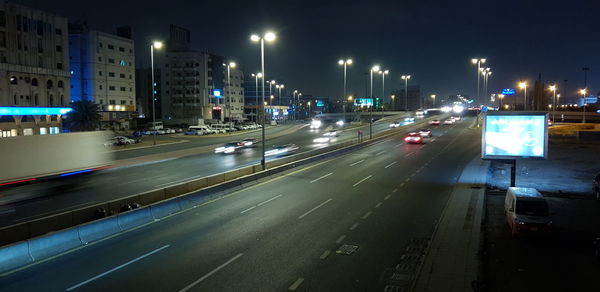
(431, 40)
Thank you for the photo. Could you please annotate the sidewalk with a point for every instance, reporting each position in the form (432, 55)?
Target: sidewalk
(452, 262)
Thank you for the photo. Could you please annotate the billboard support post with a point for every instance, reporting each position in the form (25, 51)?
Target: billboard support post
(513, 172)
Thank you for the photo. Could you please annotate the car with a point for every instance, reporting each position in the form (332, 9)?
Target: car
(315, 124)
(169, 131)
(456, 118)
(122, 140)
(228, 148)
(413, 138)
(273, 123)
(192, 132)
(550, 123)
(332, 133)
(596, 186)
(135, 139)
(282, 150)
(409, 119)
(425, 133)
(435, 122)
(449, 122)
(395, 124)
(248, 142)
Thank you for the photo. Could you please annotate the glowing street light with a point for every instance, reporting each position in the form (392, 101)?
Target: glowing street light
(256, 76)
(433, 97)
(269, 37)
(405, 78)
(523, 85)
(344, 63)
(553, 89)
(383, 73)
(155, 45)
(583, 92)
(478, 62)
(228, 106)
(373, 69)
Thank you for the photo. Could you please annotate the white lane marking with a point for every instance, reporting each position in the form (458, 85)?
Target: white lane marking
(325, 254)
(398, 145)
(354, 226)
(379, 153)
(407, 179)
(269, 200)
(340, 239)
(296, 284)
(387, 197)
(433, 139)
(364, 179)
(116, 268)
(55, 211)
(317, 179)
(409, 154)
(367, 215)
(390, 164)
(378, 205)
(315, 208)
(413, 174)
(402, 184)
(395, 190)
(355, 163)
(247, 209)
(190, 286)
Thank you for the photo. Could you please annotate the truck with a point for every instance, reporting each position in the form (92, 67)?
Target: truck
(30, 159)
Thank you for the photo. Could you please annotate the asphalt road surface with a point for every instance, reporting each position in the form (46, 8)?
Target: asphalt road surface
(284, 233)
(21, 204)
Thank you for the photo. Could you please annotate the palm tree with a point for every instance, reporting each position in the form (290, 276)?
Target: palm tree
(83, 117)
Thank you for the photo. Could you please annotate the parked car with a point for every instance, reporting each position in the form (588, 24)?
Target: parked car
(194, 132)
(135, 139)
(526, 211)
(596, 186)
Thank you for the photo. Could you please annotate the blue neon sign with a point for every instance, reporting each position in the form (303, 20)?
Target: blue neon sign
(320, 103)
(217, 92)
(22, 111)
(508, 91)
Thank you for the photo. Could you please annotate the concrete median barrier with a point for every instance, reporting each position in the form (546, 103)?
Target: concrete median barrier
(88, 214)
(134, 218)
(151, 197)
(164, 209)
(98, 229)
(214, 179)
(14, 256)
(14, 233)
(50, 245)
(198, 183)
(51, 223)
(176, 190)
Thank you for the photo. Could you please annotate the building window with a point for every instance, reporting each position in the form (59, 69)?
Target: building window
(59, 65)
(123, 89)
(35, 99)
(62, 100)
(43, 131)
(101, 101)
(130, 51)
(54, 130)
(60, 84)
(59, 31)
(123, 102)
(111, 74)
(100, 87)
(112, 88)
(122, 75)
(99, 73)
(2, 18)
(28, 132)
(49, 84)
(15, 99)
(59, 48)
(111, 47)
(100, 45)
(99, 59)
(112, 61)
(13, 80)
(51, 100)
(121, 49)
(112, 101)
(130, 77)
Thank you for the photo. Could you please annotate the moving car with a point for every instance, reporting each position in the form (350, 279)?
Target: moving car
(248, 142)
(395, 124)
(456, 118)
(435, 122)
(409, 119)
(413, 138)
(596, 186)
(315, 124)
(332, 134)
(425, 133)
(281, 150)
(228, 148)
(526, 211)
(449, 122)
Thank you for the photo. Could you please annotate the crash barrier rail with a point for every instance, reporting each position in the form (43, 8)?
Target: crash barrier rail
(50, 236)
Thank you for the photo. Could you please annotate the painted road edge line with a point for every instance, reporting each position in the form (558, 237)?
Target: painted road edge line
(362, 180)
(190, 286)
(315, 208)
(317, 179)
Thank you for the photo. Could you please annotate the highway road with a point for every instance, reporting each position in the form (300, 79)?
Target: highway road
(29, 202)
(281, 234)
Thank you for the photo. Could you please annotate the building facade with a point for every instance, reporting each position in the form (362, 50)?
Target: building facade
(103, 71)
(34, 76)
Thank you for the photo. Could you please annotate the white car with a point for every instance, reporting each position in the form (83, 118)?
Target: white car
(315, 124)
(395, 125)
(282, 150)
(449, 122)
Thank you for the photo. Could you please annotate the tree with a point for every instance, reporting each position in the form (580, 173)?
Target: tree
(83, 117)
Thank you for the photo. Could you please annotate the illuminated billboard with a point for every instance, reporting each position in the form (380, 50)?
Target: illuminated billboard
(363, 102)
(515, 135)
(508, 91)
(21, 111)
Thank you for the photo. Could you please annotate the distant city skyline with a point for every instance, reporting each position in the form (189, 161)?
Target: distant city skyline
(433, 41)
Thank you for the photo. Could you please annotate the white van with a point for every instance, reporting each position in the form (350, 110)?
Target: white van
(203, 129)
(222, 128)
(526, 211)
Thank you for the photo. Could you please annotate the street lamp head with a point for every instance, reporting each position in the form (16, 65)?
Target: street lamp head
(272, 96)
(582, 91)
(341, 62)
(488, 69)
(157, 45)
(350, 98)
(375, 68)
(474, 61)
(552, 87)
(277, 86)
(433, 96)
(308, 103)
(255, 38)
(522, 84)
(489, 73)
(295, 91)
(259, 75)
(349, 61)
(501, 96)
(273, 82)
(269, 36)
(282, 86)
(408, 77)
(482, 60)
(232, 64)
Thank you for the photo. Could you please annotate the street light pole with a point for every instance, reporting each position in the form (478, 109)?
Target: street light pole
(383, 73)
(376, 69)
(553, 88)
(269, 36)
(433, 96)
(156, 45)
(228, 100)
(345, 63)
(523, 85)
(405, 78)
(583, 93)
(257, 75)
(478, 61)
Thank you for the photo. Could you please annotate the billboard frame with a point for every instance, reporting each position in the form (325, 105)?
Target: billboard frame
(509, 157)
